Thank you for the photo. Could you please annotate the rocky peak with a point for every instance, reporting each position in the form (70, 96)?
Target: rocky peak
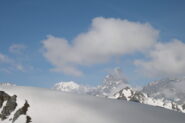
(113, 82)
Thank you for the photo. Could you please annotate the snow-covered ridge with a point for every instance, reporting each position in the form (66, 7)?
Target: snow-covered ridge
(49, 106)
(130, 94)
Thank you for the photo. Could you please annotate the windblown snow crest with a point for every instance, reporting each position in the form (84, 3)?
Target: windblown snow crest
(9, 108)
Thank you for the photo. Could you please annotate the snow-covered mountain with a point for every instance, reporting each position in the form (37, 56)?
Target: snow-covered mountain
(73, 87)
(49, 106)
(168, 93)
(130, 94)
(111, 84)
(70, 86)
(171, 89)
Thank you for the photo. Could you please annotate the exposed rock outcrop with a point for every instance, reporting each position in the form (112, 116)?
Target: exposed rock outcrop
(183, 106)
(28, 119)
(3, 97)
(8, 105)
(138, 97)
(22, 111)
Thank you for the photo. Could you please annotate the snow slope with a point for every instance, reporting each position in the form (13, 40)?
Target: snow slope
(49, 106)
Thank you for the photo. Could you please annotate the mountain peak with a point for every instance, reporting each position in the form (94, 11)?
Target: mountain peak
(114, 81)
(67, 86)
(116, 75)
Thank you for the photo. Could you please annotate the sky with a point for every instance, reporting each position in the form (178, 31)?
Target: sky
(47, 41)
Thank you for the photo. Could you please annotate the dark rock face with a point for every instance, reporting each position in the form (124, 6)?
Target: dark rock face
(137, 97)
(3, 97)
(175, 107)
(21, 111)
(10, 106)
(183, 106)
(122, 96)
(28, 119)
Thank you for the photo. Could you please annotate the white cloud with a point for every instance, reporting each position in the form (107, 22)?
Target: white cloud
(106, 38)
(165, 60)
(17, 48)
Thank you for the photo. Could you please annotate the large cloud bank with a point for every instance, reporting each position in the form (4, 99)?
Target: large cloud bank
(105, 39)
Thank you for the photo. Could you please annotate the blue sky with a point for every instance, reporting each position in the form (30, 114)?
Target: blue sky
(25, 25)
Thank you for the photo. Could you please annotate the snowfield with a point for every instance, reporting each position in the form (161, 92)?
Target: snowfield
(49, 106)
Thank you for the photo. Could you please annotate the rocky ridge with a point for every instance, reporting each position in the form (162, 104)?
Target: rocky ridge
(130, 94)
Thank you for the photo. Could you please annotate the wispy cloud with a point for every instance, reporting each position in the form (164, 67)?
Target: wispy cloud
(17, 48)
(4, 59)
(106, 38)
(20, 67)
(8, 65)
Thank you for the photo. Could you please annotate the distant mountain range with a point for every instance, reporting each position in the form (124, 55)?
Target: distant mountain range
(167, 93)
(112, 83)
